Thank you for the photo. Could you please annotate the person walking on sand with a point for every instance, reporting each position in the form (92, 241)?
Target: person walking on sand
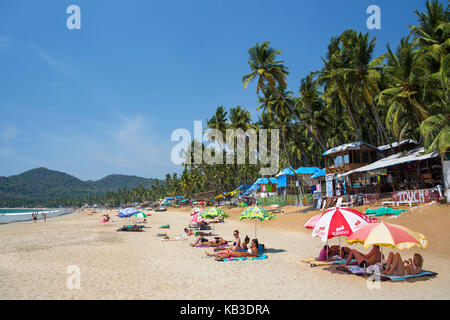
(44, 216)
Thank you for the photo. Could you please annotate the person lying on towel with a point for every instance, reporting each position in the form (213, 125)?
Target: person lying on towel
(189, 232)
(363, 260)
(237, 245)
(251, 252)
(218, 241)
(241, 247)
(397, 267)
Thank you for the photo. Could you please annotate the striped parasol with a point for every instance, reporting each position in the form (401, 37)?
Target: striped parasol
(311, 223)
(140, 215)
(196, 210)
(196, 218)
(388, 235)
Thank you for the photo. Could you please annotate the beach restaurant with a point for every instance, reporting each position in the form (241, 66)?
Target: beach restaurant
(364, 174)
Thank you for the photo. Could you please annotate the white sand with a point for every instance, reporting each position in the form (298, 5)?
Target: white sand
(137, 265)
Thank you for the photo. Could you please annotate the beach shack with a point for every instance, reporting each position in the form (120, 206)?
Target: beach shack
(267, 187)
(346, 158)
(408, 177)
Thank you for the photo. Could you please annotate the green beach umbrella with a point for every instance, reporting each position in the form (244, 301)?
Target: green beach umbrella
(213, 213)
(256, 213)
(140, 215)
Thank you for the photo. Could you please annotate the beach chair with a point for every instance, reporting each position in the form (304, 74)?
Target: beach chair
(340, 204)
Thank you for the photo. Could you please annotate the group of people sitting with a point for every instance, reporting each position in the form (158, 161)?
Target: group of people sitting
(222, 250)
(394, 265)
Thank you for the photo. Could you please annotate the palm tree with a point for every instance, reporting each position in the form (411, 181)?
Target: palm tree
(436, 128)
(269, 71)
(405, 73)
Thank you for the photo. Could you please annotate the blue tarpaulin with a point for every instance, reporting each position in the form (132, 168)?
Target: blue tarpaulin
(318, 174)
(307, 170)
(282, 181)
(265, 181)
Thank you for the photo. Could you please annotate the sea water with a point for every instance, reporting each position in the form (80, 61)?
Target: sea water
(14, 215)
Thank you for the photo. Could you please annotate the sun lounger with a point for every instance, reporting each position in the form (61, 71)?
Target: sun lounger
(259, 257)
(313, 262)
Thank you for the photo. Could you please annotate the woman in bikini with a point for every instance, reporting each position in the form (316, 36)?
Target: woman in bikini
(364, 260)
(242, 247)
(251, 252)
(397, 267)
(218, 241)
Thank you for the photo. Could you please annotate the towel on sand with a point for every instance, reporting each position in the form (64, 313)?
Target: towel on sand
(408, 276)
(356, 270)
(383, 211)
(259, 257)
(210, 246)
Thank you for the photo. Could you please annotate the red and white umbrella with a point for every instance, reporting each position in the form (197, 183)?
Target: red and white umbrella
(196, 218)
(312, 222)
(337, 222)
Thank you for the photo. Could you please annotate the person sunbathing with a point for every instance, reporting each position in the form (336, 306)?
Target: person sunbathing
(221, 250)
(344, 252)
(218, 241)
(189, 232)
(363, 260)
(397, 267)
(251, 252)
(237, 242)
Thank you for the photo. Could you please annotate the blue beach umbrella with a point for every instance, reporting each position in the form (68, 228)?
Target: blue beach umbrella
(128, 212)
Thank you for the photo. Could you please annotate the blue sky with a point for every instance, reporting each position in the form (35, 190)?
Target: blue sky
(105, 99)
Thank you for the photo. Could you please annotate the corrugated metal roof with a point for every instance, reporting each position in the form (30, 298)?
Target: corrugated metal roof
(398, 158)
(396, 144)
(347, 146)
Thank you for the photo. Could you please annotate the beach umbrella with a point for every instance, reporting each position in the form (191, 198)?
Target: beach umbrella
(311, 223)
(196, 210)
(196, 218)
(337, 222)
(256, 213)
(213, 213)
(140, 214)
(388, 235)
(128, 212)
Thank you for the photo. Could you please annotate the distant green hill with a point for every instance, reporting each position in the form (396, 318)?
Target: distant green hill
(42, 183)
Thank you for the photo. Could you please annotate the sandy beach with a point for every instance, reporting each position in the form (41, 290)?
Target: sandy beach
(34, 259)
